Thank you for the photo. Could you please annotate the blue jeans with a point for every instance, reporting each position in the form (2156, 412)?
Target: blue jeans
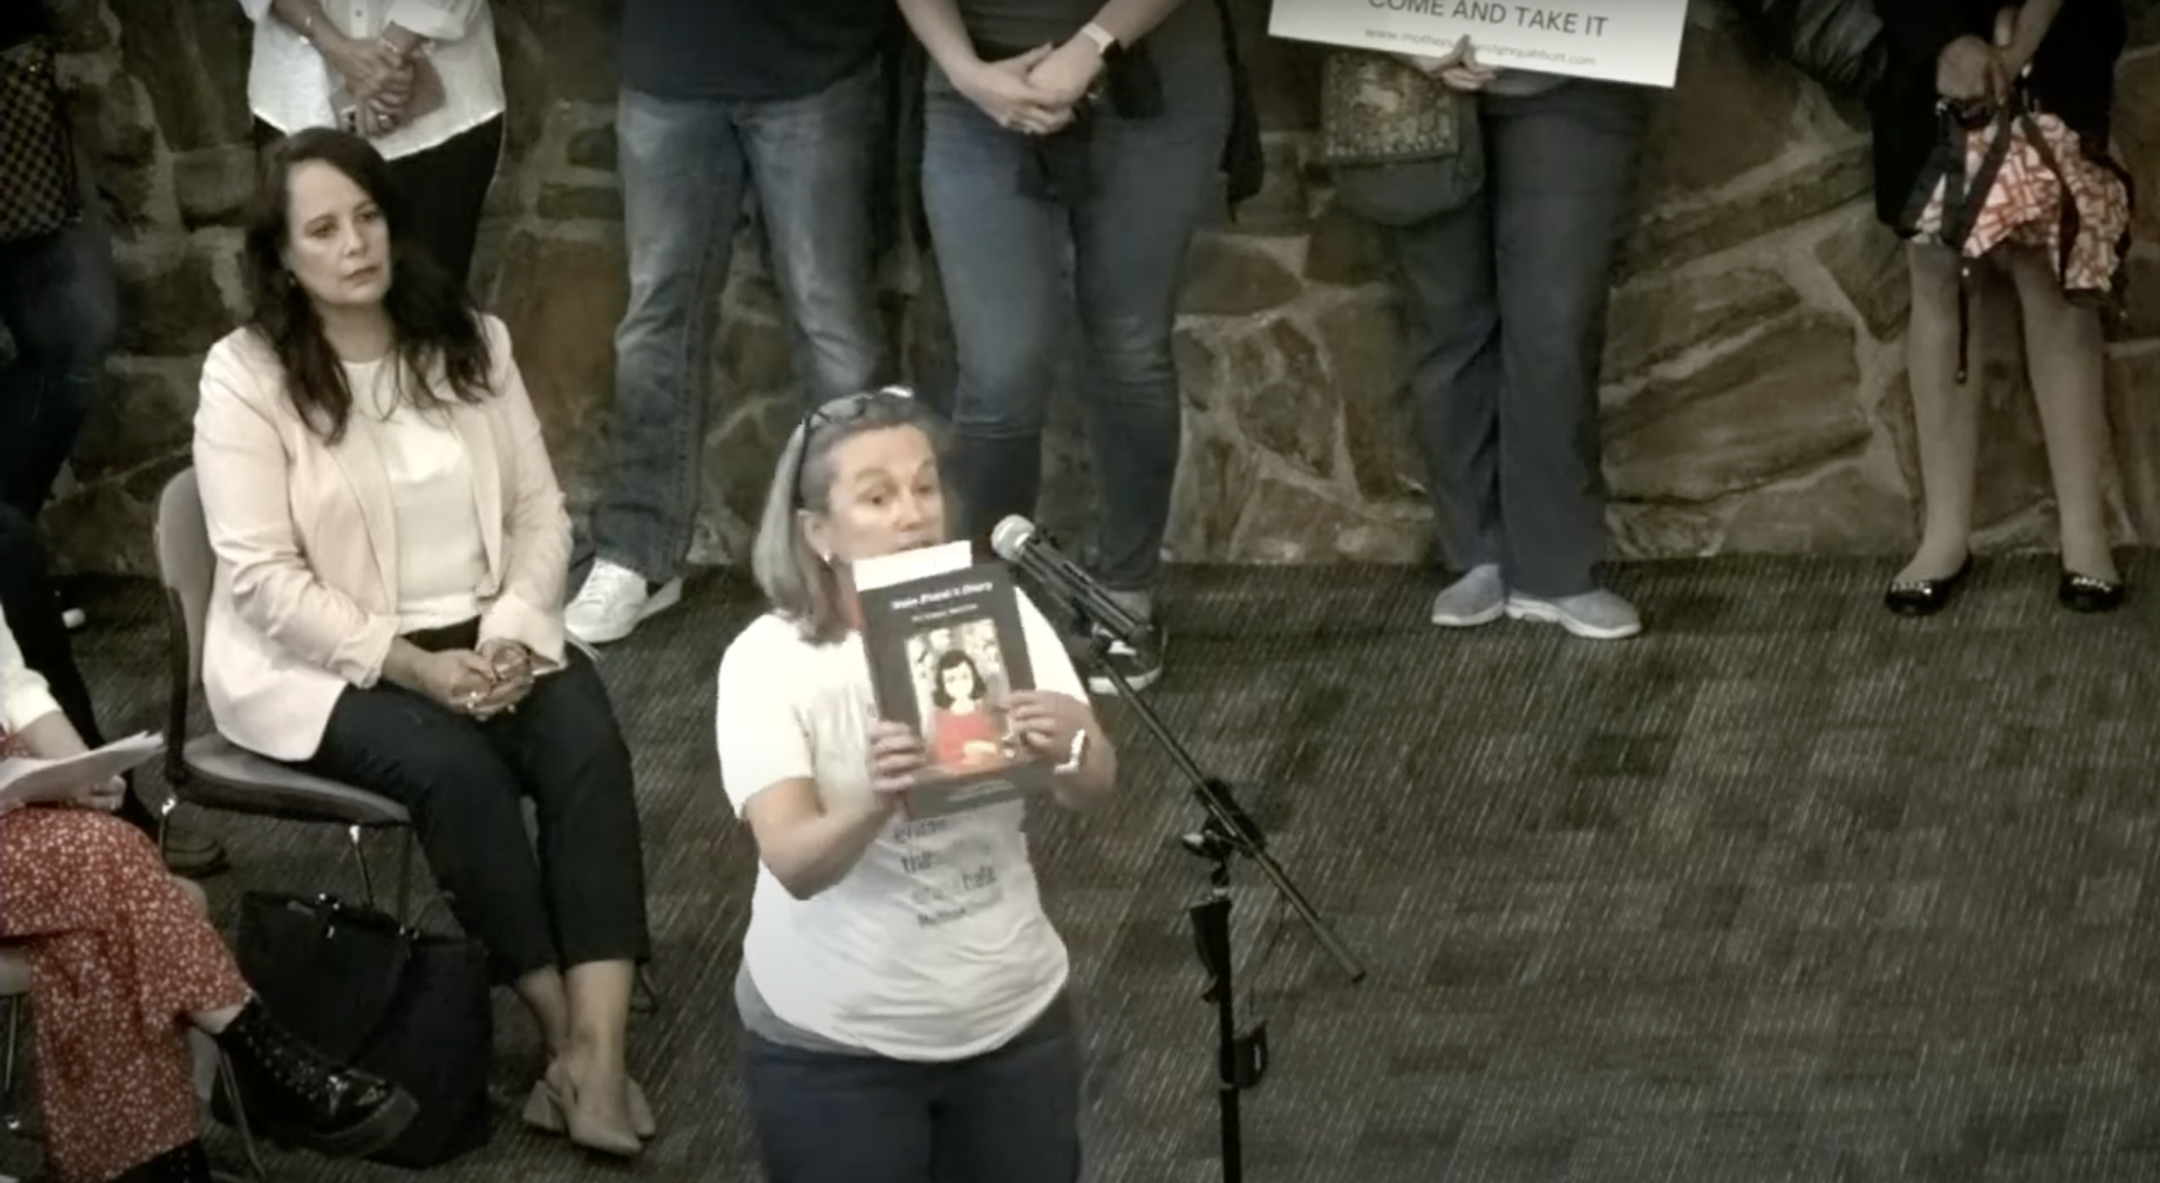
(60, 303)
(1505, 303)
(1006, 1116)
(1003, 257)
(686, 168)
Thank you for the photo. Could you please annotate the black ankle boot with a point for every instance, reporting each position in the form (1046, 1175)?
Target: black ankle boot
(185, 1163)
(294, 1095)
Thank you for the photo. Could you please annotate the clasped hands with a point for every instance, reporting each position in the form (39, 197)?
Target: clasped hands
(382, 76)
(1045, 721)
(1458, 69)
(483, 683)
(1037, 92)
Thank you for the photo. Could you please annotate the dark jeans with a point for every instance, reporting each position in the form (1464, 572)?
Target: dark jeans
(583, 899)
(33, 616)
(1013, 265)
(445, 190)
(687, 168)
(60, 302)
(1007, 1116)
(1505, 304)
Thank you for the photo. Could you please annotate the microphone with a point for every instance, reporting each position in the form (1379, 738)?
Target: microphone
(1017, 541)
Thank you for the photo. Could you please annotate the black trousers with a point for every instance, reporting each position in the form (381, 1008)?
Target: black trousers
(444, 190)
(583, 898)
(33, 615)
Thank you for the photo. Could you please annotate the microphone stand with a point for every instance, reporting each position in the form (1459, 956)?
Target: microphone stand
(1228, 832)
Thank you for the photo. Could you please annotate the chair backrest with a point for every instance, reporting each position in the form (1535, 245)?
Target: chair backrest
(187, 567)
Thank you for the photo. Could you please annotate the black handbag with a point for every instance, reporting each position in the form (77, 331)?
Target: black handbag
(410, 1007)
(1403, 148)
(39, 190)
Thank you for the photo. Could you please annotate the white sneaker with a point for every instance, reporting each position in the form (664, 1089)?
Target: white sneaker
(614, 601)
(1594, 615)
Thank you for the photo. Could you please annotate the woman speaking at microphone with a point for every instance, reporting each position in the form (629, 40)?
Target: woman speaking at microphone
(903, 994)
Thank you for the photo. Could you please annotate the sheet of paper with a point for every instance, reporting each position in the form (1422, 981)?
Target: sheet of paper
(30, 781)
(913, 564)
(1634, 41)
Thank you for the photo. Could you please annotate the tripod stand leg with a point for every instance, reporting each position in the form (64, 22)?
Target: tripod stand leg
(1211, 933)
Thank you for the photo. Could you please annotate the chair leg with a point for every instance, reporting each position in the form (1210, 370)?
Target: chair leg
(7, 1069)
(359, 852)
(231, 1085)
(404, 876)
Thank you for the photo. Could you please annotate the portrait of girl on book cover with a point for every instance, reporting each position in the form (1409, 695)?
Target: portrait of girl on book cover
(960, 693)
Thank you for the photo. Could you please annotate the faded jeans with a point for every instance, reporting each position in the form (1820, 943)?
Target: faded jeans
(1003, 258)
(1505, 303)
(60, 302)
(687, 166)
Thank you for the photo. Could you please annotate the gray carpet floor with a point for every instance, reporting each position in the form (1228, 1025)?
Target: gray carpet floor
(1787, 889)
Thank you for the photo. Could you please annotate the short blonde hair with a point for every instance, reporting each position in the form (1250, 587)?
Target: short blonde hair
(797, 582)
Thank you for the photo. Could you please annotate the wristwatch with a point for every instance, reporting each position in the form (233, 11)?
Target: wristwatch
(1076, 757)
(1106, 44)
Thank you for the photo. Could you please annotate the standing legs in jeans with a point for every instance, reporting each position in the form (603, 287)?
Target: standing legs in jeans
(568, 928)
(1002, 259)
(1506, 302)
(686, 168)
(1007, 1116)
(60, 302)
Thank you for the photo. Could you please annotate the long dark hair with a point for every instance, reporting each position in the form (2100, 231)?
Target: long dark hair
(431, 319)
(955, 659)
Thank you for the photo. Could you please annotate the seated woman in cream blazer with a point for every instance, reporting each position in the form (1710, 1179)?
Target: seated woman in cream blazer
(391, 549)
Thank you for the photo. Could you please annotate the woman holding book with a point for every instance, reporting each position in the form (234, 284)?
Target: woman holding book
(90, 906)
(903, 994)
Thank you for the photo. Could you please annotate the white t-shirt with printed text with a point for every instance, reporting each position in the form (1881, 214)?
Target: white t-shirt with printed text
(935, 946)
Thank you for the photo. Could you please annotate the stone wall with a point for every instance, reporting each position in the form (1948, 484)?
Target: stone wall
(1756, 398)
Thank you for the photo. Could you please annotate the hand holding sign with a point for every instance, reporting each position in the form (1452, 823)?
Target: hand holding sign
(1635, 41)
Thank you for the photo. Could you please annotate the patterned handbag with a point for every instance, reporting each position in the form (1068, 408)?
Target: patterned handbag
(1403, 147)
(39, 191)
(2018, 175)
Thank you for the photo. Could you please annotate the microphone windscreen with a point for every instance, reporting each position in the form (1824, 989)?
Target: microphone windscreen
(1011, 537)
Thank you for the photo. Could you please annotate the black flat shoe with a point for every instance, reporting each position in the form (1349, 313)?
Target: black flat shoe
(2083, 593)
(1926, 597)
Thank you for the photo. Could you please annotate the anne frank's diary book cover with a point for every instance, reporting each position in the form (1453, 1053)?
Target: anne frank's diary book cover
(946, 650)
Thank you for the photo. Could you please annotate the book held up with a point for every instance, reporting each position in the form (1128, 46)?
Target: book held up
(947, 649)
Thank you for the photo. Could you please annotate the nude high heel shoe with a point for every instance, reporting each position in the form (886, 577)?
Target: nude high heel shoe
(554, 1099)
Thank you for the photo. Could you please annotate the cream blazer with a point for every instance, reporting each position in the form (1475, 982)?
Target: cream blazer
(305, 598)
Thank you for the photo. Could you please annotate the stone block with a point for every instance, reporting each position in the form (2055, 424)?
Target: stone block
(754, 356)
(593, 148)
(1233, 275)
(1697, 227)
(581, 203)
(213, 185)
(1215, 478)
(170, 302)
(1774, 408)
(147, 414)
(1652, 531)
(193, 61)
(740, 455)
(2139, 319)
(580, 40)
(1363, 339)
(107, 527)
(2134, 418)
(1290, 520)
(1843, 510)
(1283, 204)
(1694, 147)
(1868, 262)
(2137, 131)
(1281, 396)
(1346, 249)
(1658, 318)
(565, 347)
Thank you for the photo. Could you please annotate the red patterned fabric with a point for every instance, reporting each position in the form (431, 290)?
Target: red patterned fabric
(118, 957)
(2024, 205)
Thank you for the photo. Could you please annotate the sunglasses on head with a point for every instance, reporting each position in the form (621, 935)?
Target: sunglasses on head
(841, 411)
